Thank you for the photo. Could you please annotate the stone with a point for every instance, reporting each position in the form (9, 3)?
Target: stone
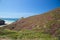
(2, 22)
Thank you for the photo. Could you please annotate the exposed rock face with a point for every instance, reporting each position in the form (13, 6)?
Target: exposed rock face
(2, 22)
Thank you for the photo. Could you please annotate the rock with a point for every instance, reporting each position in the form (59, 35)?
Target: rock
(2, 22)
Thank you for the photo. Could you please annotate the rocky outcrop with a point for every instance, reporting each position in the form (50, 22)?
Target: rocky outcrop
(2, 22)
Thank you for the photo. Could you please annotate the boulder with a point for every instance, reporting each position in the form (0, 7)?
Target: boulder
(2, 22)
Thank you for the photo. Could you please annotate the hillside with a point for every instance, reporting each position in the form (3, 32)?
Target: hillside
(45, 26)
(34, 21)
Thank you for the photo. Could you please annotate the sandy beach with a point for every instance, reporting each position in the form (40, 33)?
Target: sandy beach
(7, 23)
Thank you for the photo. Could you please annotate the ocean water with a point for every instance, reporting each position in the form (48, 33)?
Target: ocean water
(9, 20)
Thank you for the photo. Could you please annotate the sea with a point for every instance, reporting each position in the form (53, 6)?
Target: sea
(9, 20)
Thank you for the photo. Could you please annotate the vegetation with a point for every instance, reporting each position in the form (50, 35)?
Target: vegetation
(53, 28)
(25, 34)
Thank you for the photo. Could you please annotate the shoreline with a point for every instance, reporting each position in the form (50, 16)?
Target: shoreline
(7, 23)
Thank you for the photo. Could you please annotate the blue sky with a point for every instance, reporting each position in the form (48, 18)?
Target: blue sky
(25, 8)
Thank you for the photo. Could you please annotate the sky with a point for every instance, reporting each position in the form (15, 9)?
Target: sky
(26, 8)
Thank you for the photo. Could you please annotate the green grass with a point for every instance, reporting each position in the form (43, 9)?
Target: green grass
(25, 34)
